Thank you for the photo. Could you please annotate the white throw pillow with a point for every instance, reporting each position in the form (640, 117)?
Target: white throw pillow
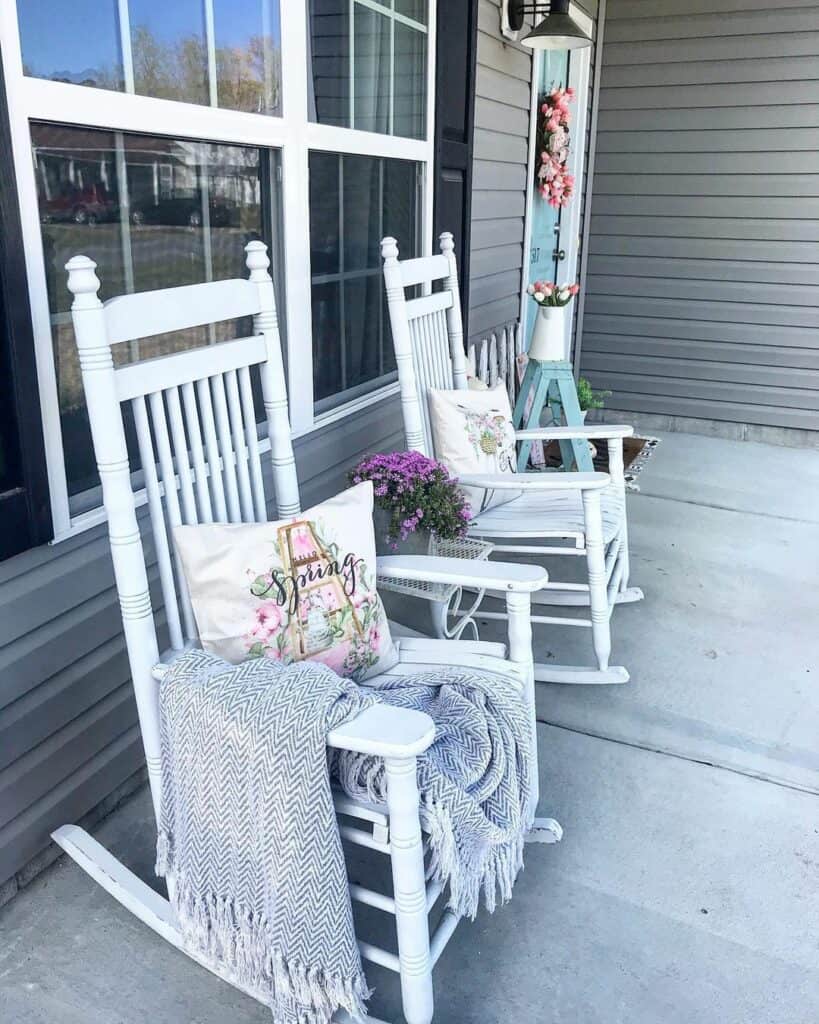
(294, 589)
(473, 433)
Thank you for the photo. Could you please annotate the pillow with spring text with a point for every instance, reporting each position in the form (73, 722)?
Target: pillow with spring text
(300, 588)
(473, 433)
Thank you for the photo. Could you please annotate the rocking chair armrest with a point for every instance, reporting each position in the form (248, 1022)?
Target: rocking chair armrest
(385, 731)
(536, 481)
(596, 431)
(464, 572)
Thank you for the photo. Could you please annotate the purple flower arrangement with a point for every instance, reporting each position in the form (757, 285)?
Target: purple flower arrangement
(417, 492)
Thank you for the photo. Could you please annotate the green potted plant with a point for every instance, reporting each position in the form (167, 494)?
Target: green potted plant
(588, 398)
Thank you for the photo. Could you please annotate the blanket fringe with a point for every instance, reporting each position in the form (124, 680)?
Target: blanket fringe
(239, 941)
(470, 867)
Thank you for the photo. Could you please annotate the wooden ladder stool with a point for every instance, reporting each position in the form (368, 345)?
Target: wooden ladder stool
(551, 384)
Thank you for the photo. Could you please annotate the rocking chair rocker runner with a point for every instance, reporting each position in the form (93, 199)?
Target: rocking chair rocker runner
(194, 415)
(583, 512)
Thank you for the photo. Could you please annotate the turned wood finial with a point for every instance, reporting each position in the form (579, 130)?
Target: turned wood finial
(447, 241)
(83, 283)
(257, 260)
(389, 249)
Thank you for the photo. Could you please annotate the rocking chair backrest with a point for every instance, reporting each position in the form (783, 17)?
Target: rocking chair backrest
(194, 416)
(427, 333)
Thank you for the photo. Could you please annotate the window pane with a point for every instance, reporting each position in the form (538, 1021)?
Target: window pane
(416, 9)
(169, 50)
(248, 55)
(361, 205)
(330, 57)
(370, 84)
(153, 213)
(325, 219)
(237, 65)
(410, 72)
(354, 202)
(368, 66)
(327, 359)
(77, 42)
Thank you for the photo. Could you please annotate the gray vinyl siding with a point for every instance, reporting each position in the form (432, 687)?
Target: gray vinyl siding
(500, 154)
(68, 724)
(704, 263)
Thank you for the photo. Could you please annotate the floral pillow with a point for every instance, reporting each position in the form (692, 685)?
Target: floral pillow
(473, 433)
(300, 588)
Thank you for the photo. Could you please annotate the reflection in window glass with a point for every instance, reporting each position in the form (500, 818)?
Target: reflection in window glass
(354, 202)
(248, 55)
(369, 65)
(409, 113)
(415, 9)
(169, 50)
(224, 53)
(77, 42)
(153, 213)
(370, 83)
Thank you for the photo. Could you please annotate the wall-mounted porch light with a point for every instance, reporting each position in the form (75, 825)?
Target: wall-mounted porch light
(556, 30)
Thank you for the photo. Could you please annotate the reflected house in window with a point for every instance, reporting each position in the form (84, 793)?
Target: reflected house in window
(153, 212)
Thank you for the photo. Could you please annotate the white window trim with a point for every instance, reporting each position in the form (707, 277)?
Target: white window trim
(32, 99)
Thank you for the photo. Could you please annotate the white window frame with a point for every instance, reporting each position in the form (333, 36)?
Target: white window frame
(35, 99)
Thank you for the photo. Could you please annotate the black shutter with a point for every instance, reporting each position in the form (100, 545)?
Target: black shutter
(457, 33)
(24, 506)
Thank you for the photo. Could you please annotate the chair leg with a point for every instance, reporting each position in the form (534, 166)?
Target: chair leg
(596, 562)
(439, 612)
(409, 886)
(625, 594)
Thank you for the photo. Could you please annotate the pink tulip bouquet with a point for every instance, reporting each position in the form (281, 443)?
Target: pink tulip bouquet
(554, 182)
(547, 293)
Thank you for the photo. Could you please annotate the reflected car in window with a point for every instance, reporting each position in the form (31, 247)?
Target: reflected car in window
(88, 205)
(184, 211)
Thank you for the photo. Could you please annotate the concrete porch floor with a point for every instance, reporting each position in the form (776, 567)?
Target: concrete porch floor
(686, 888)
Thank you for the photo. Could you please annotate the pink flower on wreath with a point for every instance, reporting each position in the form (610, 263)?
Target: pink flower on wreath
(553, 124)
(574, 289)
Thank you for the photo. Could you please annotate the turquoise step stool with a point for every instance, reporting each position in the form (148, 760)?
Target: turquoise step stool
(551, 384)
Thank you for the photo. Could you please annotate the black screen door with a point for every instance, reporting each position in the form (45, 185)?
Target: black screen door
(457, 35)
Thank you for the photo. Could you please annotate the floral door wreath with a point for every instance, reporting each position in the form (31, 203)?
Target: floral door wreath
(554, 182)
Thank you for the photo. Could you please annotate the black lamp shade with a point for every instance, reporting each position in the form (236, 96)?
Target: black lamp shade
(557, 31)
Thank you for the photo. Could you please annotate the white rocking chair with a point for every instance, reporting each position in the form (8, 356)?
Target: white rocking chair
(194, 415)
(575, 514)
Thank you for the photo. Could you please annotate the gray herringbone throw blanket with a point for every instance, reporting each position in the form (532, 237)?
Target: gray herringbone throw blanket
(248, 833)
(475, 780)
